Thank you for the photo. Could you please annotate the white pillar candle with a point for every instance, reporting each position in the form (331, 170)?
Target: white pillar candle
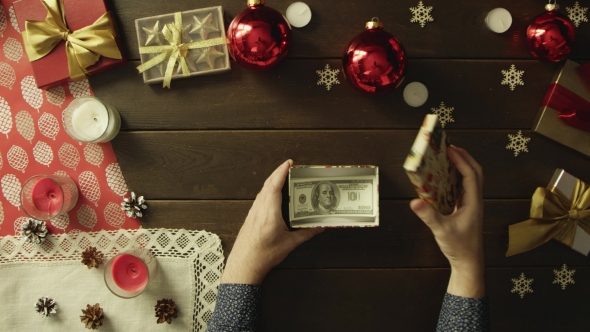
(87, 119)
(499, 20)
(298, 14)
(415, 94)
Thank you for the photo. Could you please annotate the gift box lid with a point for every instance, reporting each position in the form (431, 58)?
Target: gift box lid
(548, 122)
(52, 69)
(325, 173)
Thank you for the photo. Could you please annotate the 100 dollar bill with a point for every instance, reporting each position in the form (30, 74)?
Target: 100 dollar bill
(344, 196)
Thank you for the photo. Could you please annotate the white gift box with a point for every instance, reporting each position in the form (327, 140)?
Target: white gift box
(324, 173)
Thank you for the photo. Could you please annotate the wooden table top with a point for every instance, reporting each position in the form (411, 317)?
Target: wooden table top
(201, 151)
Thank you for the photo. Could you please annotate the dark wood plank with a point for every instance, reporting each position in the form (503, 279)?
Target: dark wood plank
(401, 240)
(234, 164)
(410, 300)
(289, 98)
(457, 31)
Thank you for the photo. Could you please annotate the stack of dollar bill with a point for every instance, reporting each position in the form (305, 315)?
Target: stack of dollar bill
(334, 196)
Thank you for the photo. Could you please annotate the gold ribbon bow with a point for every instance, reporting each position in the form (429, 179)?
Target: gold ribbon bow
(553, 216)
(83, 47)
(176, 51)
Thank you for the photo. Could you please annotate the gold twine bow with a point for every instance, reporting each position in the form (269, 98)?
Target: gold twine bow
(553, 216)
(83, 47)
(176, 51)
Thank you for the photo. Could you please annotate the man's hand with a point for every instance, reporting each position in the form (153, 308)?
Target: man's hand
(264, 240)
(460, 235)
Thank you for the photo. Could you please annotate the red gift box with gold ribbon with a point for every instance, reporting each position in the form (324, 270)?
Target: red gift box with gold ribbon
(68, 39)
(564, 115)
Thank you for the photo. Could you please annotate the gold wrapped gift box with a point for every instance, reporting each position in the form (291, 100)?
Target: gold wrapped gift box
(548, 122)
(561, 212)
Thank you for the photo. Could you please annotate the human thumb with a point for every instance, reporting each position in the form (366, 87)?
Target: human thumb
(425, 211)
(305, 234)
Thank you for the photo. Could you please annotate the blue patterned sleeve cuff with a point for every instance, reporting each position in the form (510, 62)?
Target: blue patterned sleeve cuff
(464, 314)
(236, 309)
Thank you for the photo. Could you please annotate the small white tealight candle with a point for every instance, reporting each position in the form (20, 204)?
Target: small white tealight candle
(87, 119)
(415, 94)
(499, 20)
(298, 14)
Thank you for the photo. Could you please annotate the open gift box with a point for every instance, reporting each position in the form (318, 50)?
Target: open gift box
(347, 196)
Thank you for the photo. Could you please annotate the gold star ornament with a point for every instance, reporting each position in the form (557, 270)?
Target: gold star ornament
(154, 35)
(209, 56)
(204, 26)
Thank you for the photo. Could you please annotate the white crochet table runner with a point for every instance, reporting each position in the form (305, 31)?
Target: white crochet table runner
(190, 264)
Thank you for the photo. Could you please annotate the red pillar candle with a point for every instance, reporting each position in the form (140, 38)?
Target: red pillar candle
(47, 196)
(129, 273)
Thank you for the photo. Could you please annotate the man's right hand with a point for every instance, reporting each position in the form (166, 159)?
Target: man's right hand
(460, 235)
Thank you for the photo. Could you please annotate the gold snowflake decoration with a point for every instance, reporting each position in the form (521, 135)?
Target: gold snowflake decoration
(512, 77)
(421, 14)
(522, 285)
(444, 114)
(328, 77)
(577, 14)
(518, 143)
(564, 276)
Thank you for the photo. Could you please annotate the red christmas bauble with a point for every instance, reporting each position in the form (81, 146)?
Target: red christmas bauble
(259, 37)
(374, 61)
(551, 35)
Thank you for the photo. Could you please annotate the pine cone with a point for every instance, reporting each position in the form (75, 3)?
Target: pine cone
(46, 306)
(165, 310)
(34, 230)
(93, 316)
(91, 257)
(133, 206)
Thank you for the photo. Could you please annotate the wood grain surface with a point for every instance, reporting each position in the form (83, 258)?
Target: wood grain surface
(288, 97)
(201, 151)
(458, 30)
(234, 164)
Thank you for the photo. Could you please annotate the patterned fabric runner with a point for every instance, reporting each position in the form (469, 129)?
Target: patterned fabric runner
(33, 141)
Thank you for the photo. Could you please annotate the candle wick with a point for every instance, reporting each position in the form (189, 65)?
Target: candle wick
(501, 23)
(95, 120)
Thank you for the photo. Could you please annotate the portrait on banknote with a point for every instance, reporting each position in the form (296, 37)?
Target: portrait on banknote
(325, 197)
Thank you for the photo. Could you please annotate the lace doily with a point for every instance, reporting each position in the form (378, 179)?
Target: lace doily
(201, 248)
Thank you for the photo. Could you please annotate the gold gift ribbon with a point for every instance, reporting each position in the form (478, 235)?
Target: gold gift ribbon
(553, 216)
(83, 47)
(176, 51)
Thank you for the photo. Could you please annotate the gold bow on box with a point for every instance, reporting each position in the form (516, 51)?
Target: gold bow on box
(553, 216)
(83, 47)
(176, 51)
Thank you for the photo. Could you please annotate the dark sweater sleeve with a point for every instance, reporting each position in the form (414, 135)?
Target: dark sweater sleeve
(464, 314)
(236, 309)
